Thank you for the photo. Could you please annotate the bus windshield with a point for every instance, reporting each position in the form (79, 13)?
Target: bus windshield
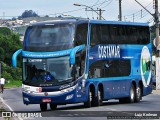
(49, 37)
(46, 72)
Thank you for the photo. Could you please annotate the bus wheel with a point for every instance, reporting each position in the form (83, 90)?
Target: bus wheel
(43, 106)
(138, 93)
(98, 99)
(88, 103)
(131, 98)
(53, 106)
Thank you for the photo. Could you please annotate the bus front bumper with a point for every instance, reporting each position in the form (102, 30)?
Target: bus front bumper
(58, 97)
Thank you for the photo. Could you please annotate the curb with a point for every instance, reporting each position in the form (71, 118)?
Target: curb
(156, 92)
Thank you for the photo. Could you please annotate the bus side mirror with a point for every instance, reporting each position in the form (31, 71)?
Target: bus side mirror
(14, 57)
(73, 53)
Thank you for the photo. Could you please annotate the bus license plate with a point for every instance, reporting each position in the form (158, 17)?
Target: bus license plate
(46, 100)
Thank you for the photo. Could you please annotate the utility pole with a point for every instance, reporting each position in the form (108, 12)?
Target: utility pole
(120, 10)
(99, 10)
(91, 9)
(156, 20)
(157, 46)
(100, 14)
(157, 28)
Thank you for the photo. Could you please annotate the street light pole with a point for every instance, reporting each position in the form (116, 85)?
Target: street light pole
(100, 11)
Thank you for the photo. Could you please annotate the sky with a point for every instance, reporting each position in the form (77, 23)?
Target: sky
(131, 10)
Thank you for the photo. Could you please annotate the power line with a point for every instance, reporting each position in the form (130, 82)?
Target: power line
(106, 1)
(107, 4)
(99, 4)
(140, 10)
(69, 11)
(139, 14)
(99, 10)
(96, 2)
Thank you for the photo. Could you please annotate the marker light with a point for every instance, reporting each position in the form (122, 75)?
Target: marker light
(39, 89)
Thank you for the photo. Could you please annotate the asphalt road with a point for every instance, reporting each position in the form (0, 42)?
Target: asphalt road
(149, 104)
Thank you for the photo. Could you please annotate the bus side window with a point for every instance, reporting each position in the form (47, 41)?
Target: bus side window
(96, 35)
(110, 68)
(145, 36)
(105, 34)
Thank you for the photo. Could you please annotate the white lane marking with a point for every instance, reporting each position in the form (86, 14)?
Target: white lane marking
(112, 109)
(8, 106)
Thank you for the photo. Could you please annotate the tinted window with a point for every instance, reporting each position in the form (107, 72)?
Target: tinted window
(119, 34)
(49, 37)
(81, 34)
(110, 68)
(39, 72)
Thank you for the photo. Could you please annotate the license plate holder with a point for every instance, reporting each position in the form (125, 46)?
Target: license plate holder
(46, 100)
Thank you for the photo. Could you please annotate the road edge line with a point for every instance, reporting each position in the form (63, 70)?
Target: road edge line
(8, 107)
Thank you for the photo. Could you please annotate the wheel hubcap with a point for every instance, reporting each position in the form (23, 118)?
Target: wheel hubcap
(132, 94)
(99, 96)
(138, 92)
(90, 96)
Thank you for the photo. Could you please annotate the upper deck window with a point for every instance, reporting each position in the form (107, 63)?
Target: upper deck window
(119, 34)
(47, 38)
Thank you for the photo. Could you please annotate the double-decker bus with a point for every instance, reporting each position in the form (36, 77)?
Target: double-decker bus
(88, 61)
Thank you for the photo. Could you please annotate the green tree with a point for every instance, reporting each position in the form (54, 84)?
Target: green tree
(5, 31)
(28, 13)
(9, 43)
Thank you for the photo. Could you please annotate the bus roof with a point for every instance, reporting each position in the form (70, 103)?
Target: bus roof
(117, 22)
(50, 22)
(77, 21)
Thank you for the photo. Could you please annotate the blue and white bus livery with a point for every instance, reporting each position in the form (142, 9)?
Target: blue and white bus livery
(89, 61)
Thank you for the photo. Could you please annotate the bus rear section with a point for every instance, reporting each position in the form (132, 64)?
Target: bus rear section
(119, 62)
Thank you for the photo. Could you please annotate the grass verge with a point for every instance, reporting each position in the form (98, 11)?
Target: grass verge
(13, 83)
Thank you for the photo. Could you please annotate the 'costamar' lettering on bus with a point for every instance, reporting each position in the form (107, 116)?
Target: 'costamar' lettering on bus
(109, 51)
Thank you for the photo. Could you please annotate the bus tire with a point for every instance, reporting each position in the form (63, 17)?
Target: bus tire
(88, 103)
(53, 106)
(98, 100)
(43, 106)
(131, 98)
(138, 93)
